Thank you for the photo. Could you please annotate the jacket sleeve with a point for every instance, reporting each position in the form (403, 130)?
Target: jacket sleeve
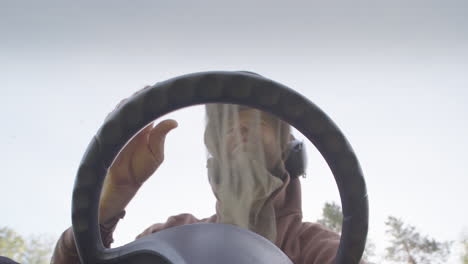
(65, 251)
(320, 245)
(177, 220)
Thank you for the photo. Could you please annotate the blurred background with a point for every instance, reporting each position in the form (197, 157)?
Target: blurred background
(391, 74)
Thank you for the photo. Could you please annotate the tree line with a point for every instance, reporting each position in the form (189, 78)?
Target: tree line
(35, 249)
(406, 244)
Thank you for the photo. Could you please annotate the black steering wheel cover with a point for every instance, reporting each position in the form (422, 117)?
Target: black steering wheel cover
(217, 87)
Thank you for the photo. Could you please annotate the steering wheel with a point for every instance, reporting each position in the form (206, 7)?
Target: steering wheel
(206, 243)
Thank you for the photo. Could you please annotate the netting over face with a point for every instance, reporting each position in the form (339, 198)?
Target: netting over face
(246, 152)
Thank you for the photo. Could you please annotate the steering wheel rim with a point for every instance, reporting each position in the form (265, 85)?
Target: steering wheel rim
(218, 87)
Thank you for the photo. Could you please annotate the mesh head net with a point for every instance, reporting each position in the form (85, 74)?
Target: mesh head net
(246, 150)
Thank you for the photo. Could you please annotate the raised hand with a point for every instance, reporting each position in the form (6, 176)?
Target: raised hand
(138, 160)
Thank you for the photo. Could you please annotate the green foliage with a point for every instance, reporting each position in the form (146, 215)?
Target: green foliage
(465, 249)
(34, 250)
(409, 246)
(12, 245)
(332, 217)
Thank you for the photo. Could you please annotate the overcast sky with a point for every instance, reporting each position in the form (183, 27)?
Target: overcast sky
(392, 75)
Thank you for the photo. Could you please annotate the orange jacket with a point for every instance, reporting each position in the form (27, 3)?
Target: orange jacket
(303, 242)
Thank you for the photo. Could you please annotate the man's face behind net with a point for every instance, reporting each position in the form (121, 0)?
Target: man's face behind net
(238, 130)
(246, 148)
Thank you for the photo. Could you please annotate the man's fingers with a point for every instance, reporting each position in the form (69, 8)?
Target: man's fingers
(158, 135)
(142, 135)
(164, 127)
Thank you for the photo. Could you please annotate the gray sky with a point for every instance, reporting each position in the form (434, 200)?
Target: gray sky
(391, 75)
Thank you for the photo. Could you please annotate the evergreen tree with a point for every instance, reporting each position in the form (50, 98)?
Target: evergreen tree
(409, 246)
(332, 218)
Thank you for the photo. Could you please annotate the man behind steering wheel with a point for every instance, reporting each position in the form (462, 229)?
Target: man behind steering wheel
(246, 169)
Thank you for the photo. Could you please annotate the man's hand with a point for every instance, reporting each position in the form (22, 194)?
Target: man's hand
(140, 157)
(138, 160)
